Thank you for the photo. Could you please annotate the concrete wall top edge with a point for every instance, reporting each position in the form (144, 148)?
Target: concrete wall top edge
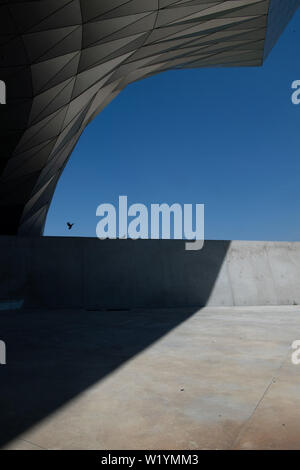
(161, 241)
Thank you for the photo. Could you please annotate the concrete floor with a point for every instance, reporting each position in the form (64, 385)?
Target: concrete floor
(218, 378)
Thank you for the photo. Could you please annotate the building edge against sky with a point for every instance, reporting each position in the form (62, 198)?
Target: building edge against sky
(63, 66)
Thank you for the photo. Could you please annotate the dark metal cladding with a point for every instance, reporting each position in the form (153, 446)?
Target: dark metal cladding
(63, 61)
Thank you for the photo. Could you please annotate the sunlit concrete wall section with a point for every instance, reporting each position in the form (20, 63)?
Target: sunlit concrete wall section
(125, 274)
(258, 273)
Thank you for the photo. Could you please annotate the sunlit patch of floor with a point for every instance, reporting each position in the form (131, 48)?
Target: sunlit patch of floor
(222, 379)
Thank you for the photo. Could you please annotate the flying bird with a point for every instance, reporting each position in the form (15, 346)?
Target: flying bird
(69, 225)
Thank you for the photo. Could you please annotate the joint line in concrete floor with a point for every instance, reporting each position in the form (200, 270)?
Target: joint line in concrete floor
(272, 381)
(33, 444)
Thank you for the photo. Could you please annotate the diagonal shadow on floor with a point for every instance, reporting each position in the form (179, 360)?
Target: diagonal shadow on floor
(52, 356)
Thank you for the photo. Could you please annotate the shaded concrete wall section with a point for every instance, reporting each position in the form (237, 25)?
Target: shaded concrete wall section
(124, 274)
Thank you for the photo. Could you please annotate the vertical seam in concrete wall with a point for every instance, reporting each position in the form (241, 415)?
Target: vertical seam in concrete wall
(226, 261)
(271, 271)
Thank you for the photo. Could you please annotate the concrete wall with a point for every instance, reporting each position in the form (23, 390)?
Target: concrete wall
(92, 274)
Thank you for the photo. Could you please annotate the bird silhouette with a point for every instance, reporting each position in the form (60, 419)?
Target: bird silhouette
(69, 225)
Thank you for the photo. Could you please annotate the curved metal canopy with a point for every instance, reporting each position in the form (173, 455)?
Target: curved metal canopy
(63, 61)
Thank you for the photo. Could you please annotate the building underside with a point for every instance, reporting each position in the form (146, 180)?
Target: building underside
(63, 61)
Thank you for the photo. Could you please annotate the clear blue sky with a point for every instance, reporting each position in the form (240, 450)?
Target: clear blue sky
(228, 138)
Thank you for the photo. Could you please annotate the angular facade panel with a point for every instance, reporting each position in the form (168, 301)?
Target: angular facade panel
(63, 61)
